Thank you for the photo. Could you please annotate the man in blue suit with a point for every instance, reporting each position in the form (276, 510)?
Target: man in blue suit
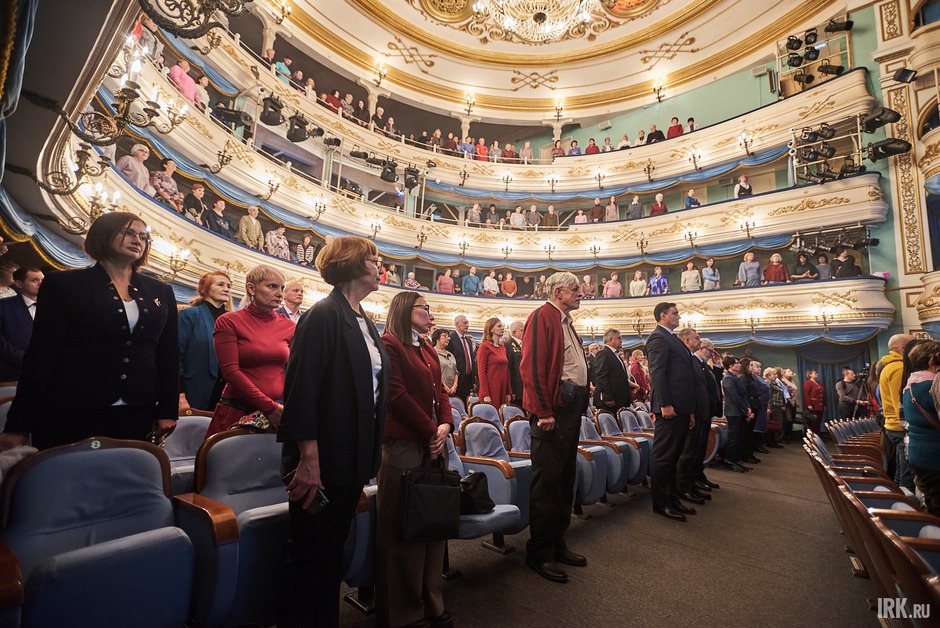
(16, 321)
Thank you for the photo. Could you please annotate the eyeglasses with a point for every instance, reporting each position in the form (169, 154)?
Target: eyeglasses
(374, 260)
(143, 236)
(425, 307)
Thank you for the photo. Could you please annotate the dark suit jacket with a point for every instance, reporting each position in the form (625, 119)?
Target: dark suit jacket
(457, 347)
(514, 355)
(671, 375)
(82, 354)
(16, 328)
(199, 367)
(611, 382)
(328, 394)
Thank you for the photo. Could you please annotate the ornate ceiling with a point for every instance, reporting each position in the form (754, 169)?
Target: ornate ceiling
(436, 51)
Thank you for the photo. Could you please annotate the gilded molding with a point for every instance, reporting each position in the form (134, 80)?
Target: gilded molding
(667, 51)
(835, 300)
(533, 80)
(424, 61)
(233, 267)
(890, 20)
(755, 131)
(927, 165)
(911, 230)
(809, 203)
(816, 108)
(759, 304)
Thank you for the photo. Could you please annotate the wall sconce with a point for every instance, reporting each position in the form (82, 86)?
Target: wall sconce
(695, 156)
(98, 199)
(470, 101)
(191, 20)
(751, 318)
(590, 326)
(464, 245)
(213, 41)
(285, 13)
(599, 176)
(824, 317)
(507, 179)
(506, 251)
(691, 234)
(176, 258)
(374, 228)
(746, 226)
(463, 174)
(224, 159)
(274, 184)
(658, 88)
(549, 248)
(380, 73)
(552, 181)
(559, 107)
(692, 320)
(319, 206)
(422, 238)
(595, 249)
(649, 169)
(66, 183)
(641, 243)
(638, 327)
(745, 140)
(175, 116)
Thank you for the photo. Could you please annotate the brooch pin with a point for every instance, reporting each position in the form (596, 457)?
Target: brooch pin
(157, 302)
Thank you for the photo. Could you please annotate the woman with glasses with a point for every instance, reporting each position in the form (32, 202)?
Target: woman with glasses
(410, 586)
(335, 394)
(104, 355)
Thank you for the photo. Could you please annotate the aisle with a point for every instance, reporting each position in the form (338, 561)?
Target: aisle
(765, 551)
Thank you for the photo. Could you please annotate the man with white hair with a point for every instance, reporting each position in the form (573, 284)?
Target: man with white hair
(293, 299)
(555, 394)
(513, 347)
(462, 346)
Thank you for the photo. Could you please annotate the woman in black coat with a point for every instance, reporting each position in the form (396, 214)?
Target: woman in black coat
(104, 355)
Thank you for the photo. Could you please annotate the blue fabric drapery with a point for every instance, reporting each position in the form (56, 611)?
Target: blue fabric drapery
(60, 249)
(828, 360)
(23, 34)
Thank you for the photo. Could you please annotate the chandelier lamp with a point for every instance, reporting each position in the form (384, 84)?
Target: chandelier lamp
(535, 21)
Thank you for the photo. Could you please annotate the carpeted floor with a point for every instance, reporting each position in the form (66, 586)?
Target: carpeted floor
(765, 551)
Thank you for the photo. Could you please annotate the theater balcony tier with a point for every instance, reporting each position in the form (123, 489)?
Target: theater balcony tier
(832, 101)
(927, 151)
(925, 56)
(928, 305)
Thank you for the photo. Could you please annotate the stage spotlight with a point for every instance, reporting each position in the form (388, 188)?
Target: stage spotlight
(232, 116)
(804, 78)
(905, 76)
(812, 177)
(316, 132)
(794, 42)
(358, 154)
(831, 70)
(826, 173)
(389, 172)
(811, 54)
(808, 153)
(811, 37)
(879, 117)
(271, 114)
(887, 148)
(849, 168)
(808, 135)
(826, 150)
(331, 141)
(826, 131)
(795, 60)
(411, 177)
(837, 26)
(372, 160)
(866, 242)
(298, 128)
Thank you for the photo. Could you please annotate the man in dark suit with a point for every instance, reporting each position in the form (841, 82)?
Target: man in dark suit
(611, 380)
(293, 299)
(464, 350)
(696, 440)
(16, 321)
(672, 380)
(514, 355)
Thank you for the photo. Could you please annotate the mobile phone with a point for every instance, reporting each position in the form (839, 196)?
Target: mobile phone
(320, 500)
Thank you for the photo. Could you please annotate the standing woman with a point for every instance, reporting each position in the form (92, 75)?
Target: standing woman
(252, 345)
(691, 280)
(200, 384)
(335, 393)
(410, 586)
(920, 411)
(641, 374)
(638, 286)
(659, 284)
(749, 273)
(710, 275)
(441, 338)
(104, 354)
(493, 365)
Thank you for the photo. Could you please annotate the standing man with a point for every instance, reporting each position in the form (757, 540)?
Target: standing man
(814, 399)
(470, 285)
(611, 381)
(293, 299)
(462, 346)
(696, 441)
(514, 355)
(850, 396)
(891, 385)
(16, 321)
(672, 380)
(555, 393)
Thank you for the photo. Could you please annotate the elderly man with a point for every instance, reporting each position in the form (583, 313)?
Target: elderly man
(249, 229)
(612, 385)
(463, 347)
(891, 387)
(513, 347)
(293, 299)
(555, 393)
(691, 461)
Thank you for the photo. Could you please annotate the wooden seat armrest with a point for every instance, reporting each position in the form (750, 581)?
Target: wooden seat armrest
(905, 515)
(502, 465)
(601, 443)
(586, 453)
(921, 544)
(622, 439)
(857, 459)
(901, 497)
(219, 516)
(525, 455)
(638, 434)
(11, 579)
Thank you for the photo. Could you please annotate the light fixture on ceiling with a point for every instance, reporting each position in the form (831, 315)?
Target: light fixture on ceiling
(535, 21)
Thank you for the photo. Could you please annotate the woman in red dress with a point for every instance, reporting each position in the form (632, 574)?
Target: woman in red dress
(252, 345)
(493, 365)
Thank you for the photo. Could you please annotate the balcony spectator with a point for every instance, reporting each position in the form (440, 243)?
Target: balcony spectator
(655, 135)
(526, 155)
(436, 141)
(202, 94)
(449, 145)
(574, 151)
(411, 283)
(492, 217)
(466, 148)
(690, 200)
(165, 185)
(391, 131)
(282, 69)
(711, 278)
(526, 288)
(490, 285)
(509, 155)
(624, 142)
(691, 126)
(611, 211)
(587, 288)
(592, 147)
(193, 206)
(557, 149)
(607, 147)
(538, 290)
(844, 265)
(749, 273)
(659, 207)
(146, 35)
(269, 57)
(310, 88)
(517, 219)
(378, 120)
(691, 279)
(613, 289)
(638, 286)
(640, 138)
(742, 188)
(249, 229)
(214, 221)
(458, 282)
(636, 209)
(276, 244)
(776, 271)
(473, 216)
(597, 211)
(470, 285)
(803, 270)
(580, 218)
(179, 75)
(823, 267)
(445, 283)
(361, 113)
(132, 166)
(392, 277)
(674, 130)
(297, 81)
(495, 152)
(659, 284)
(480, 151)
(550, 219)
(533, 219)
(305, 252)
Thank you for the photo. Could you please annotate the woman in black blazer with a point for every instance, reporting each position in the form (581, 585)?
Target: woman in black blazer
(104, 356)
(334, 408)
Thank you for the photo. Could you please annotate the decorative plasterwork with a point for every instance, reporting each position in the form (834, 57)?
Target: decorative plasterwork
(682, 44)
(911, 229)
(928, 154)
(424, 61)
(928, 306)
(890, 20)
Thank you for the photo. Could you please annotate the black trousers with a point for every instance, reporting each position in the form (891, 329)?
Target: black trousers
(61, 426)
(670, 436)
(554, 460)
(464, 386)
(309, 592)
(735, 432)
(692, 460)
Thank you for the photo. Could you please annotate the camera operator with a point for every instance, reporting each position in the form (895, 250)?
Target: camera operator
(851, 394)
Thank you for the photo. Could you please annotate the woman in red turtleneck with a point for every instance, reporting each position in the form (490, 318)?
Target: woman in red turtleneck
(252, 345)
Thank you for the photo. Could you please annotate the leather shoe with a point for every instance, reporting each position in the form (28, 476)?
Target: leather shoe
(702, 486)
(774, 444)
(669, 513)
(711, 484)
(682, 508)
(701, 494)
(752, 459)
(761, 449)
(444, 620)
(739, 468)
(549, 571)
(689, 497)
(570, 558)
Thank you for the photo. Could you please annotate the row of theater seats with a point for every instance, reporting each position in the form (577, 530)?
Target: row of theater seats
(891, 541)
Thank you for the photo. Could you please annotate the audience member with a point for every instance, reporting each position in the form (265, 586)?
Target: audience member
(550, 219)
(293, 299)
(132, 166)
(146, 35)
(305, 252)
(480, 151)
(737, 412)
(215, 222)
(609, 375)
(378, 120)
(675, 129)
(690, 200)
(526, 155)
(533, 219)
(691, 279)
(411, 283)
(392, 277)
(193, 207)
(592, 148)
(490, 285)
(282, 69)
(849, 394)
(276, 244)
(814, 401)
(493, 365)
(891, 386)
(695, 443)
(470, 285)
(844, 265)
(513, 345)
(742, 188)
(462, 346)
(445, 283)
(16, 321)
(613, 289)
(587, 288)
(691, 126)
(659, 207)
(920, 411)
(200, 381)
(776, 271)
(624, 142)
(611, 211)
(749, 272)
(533, 291)
(202, 93)
(165, 186)
(659, 284)
(640, 373)
(575, 150)
(179, 75)
(580, 218)
(640, 138)
(803, 270)
(823, 267)
(597, 211)
(636, 209)
(508, 287)
(249, 230)
(654, 135)
(473, 216)
(638, 287)
(710, 275)
(440, 338)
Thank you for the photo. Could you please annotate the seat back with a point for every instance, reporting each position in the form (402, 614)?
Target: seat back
(456, 416)
(646, 421)
(241, 469)
(457, 402)
(183, 444)
(482, 438)
(589, 430)
(453, 458)
(608, 424)
(486, 411)
(508, 411)
(518, 433)
(5, 403)
(629, 421)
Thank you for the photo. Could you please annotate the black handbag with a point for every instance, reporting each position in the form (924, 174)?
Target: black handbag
(429, 509)
(475, 494)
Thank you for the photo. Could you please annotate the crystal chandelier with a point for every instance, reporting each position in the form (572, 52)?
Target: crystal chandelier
(536, 21)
